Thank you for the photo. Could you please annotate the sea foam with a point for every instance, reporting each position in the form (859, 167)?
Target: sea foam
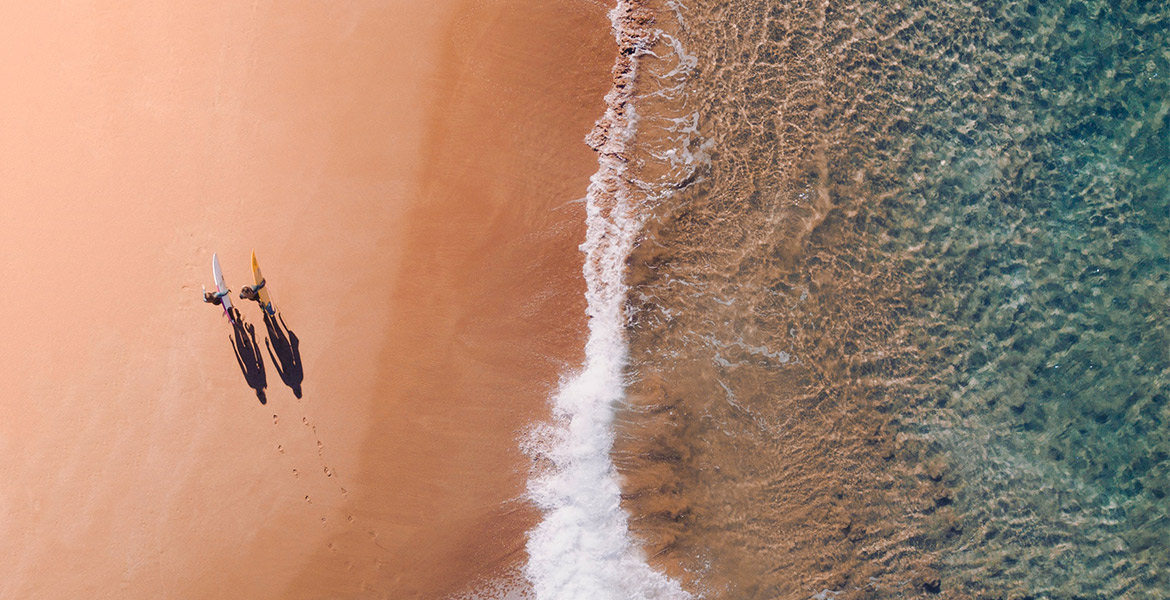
(582, 549)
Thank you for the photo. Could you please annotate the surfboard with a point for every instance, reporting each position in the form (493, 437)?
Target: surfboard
(220, 286)
(265, 299)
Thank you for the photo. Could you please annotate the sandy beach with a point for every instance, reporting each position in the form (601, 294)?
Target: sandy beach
(406, 174)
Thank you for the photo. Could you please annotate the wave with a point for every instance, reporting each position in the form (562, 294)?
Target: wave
(582, 548)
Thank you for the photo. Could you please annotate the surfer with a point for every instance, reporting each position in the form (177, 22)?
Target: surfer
(253, 292)
(215, 298)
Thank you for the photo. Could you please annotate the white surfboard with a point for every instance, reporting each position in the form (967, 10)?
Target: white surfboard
(220, 286)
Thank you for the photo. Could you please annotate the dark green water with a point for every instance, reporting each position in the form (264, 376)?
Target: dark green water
(908, 333)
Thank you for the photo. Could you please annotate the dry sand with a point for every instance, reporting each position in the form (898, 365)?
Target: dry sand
(405, 172)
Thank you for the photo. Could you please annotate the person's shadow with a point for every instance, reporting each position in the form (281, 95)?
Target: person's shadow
(249, 358)
(285, 350)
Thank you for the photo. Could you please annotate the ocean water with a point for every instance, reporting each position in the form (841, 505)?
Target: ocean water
(879, 295)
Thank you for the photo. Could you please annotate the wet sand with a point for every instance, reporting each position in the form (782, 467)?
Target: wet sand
(404, 172)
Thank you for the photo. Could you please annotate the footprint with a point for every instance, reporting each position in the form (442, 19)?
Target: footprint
(320, 446)
(305, 420)
(349, 518)
(280, 449)
(344, 493)
(275, 419)
(296, 475)
(308, 500)
(328, 472)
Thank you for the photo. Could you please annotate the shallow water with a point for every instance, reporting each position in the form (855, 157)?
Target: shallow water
(904, 331)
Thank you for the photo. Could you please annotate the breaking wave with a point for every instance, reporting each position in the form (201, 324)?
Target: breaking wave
(582, 548)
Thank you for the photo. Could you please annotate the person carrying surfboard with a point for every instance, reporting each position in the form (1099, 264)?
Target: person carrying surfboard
(215, 298)
(220, 297)
(252, 292)
(258, 292)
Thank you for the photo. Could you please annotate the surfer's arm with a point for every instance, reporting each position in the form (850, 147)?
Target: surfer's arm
(260, 286)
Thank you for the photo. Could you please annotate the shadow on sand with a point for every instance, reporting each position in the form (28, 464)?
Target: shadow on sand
(285, 350)
(248, 356)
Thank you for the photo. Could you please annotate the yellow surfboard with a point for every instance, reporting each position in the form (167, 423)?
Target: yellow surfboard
(265, 299)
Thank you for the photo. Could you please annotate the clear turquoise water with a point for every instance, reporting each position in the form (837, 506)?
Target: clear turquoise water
(929, 261)
(1046, 233)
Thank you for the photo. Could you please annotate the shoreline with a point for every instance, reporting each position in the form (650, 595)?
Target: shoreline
(580, 490)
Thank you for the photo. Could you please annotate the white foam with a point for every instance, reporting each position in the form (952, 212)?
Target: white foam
(582, 548)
